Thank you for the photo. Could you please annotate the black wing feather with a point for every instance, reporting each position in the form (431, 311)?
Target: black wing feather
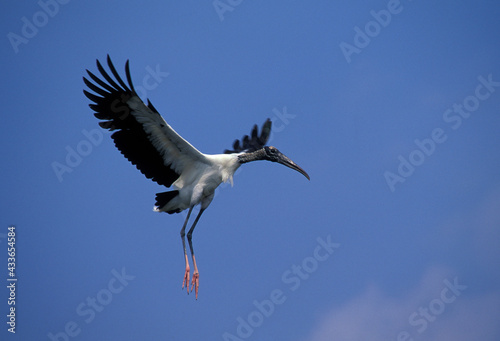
(95, 88)
(99, 81)
(117, 76)
(130, 138)
(107, 77)
(255, 142)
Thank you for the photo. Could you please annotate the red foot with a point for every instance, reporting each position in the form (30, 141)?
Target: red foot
(185, 282)
(195, 283)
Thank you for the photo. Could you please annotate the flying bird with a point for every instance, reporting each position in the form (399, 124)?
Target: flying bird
(162, 155)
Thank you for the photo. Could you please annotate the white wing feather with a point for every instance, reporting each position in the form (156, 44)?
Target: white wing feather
(176, 152)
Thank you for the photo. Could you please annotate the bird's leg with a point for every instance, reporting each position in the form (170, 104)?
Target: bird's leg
(194, 282)
(186, 273)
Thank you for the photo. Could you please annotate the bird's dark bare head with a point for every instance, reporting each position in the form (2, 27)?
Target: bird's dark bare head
(273, 154)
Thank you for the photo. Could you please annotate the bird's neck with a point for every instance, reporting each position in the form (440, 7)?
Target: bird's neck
(259, 154)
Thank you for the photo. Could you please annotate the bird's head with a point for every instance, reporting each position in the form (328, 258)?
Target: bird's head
(273, 154)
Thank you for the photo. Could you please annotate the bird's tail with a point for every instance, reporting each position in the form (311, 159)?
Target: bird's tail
(162, 199)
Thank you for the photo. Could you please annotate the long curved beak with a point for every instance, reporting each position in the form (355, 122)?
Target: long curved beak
(284, 160)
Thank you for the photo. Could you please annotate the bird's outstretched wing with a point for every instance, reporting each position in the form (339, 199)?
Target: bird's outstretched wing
(141, 134)
(254, 141)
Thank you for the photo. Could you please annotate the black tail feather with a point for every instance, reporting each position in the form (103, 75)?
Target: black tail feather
(164, 197)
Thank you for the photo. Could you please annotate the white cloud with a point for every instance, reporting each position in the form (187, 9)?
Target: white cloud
(473, 315)
(375, 316)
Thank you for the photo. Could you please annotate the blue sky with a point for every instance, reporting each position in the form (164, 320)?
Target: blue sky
(393, 108)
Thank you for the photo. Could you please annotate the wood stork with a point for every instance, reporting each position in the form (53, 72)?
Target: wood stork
(145, 139)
